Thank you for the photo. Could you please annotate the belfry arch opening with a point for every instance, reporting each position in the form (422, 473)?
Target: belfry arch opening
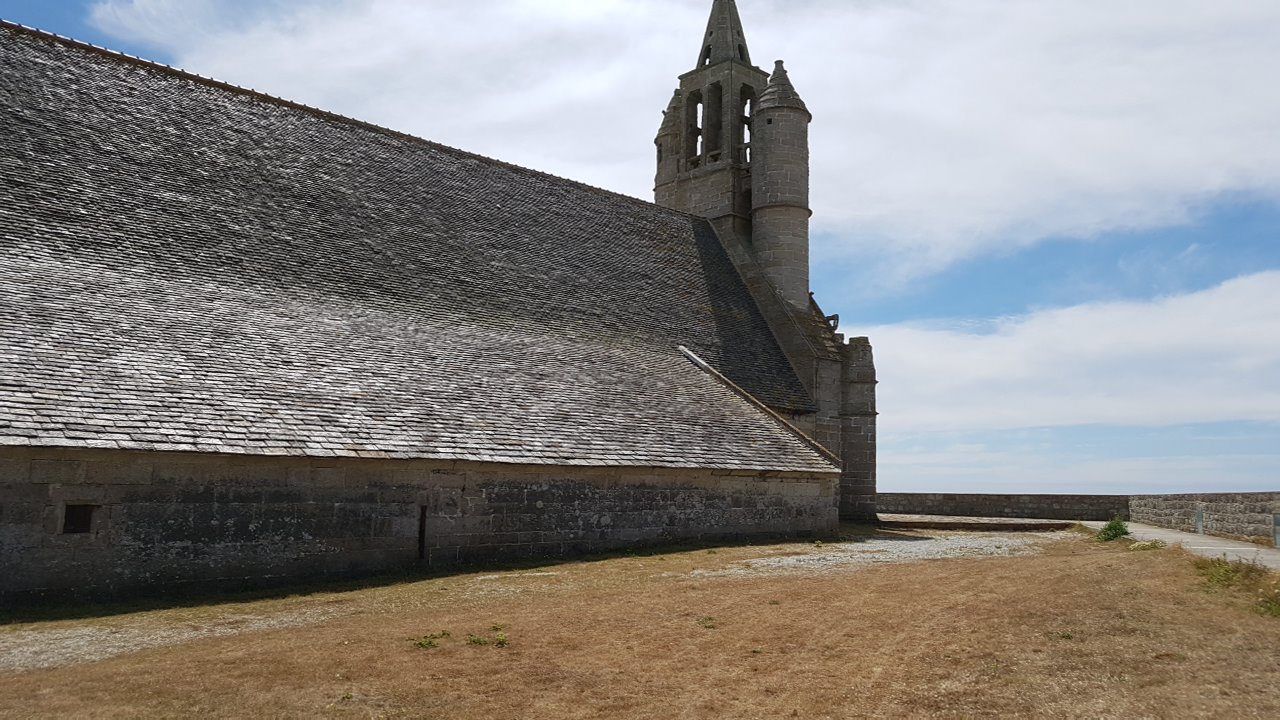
(694, 116)
(746, 106)
(713, 119)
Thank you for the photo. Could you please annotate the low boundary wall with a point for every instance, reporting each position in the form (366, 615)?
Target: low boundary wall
(1047, 507)
(1244, 516)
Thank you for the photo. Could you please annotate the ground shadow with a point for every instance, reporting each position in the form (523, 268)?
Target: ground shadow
(87, 605)
(867, 533)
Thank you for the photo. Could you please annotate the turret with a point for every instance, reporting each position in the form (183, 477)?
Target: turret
(669, 142)
(780, 187)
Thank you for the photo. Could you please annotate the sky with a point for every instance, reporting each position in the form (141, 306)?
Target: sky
(1057, 220)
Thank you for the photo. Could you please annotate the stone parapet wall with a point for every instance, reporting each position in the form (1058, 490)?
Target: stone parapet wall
(1246, 516)
(1049, 507)
(163, 519)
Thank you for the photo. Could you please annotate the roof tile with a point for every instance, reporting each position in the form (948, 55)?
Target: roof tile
(185, 266)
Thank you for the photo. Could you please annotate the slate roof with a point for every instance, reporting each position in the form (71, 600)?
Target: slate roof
(189, 266)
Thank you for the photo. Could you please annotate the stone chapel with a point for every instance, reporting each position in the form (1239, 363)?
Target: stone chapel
(246, 341)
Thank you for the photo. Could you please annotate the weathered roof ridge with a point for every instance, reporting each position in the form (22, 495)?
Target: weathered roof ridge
(751, 399)
(312, 110)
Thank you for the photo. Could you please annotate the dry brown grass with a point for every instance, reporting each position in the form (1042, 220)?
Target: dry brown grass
(1084, 629)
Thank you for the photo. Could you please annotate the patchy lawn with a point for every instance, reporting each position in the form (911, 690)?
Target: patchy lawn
(924, 623)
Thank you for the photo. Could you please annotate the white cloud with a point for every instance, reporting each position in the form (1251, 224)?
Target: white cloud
(172, 25)
(1204, 357)
(944, 129)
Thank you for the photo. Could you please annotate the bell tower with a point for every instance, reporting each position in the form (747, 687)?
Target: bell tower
(704, 144)
(734, 148)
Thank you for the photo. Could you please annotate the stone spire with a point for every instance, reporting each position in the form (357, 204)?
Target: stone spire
(780, 92)
(724, 39)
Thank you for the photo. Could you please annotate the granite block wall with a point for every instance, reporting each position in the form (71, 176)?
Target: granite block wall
(1245, 516)
(111, 522)
(1049, 507)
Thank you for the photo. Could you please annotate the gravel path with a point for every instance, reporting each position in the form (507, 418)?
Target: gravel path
(55, 647)
(838, 556)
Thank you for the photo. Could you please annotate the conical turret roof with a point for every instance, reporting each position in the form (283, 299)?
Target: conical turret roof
(671, 116)
(724, 39)
(780, 93)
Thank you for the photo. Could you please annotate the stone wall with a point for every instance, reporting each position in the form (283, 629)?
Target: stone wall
(1049, 507)
(150, 520)
(1245, 516)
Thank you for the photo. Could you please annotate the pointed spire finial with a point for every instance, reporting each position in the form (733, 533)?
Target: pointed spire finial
(725, 39)
(780, 92)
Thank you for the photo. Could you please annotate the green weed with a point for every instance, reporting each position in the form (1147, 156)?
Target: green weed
(1224, 573)
(1269, 597)
(1245, 576)
(429, 642)
(1113, 530)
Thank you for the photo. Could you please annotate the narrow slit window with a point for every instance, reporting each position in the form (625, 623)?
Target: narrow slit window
(422, 532)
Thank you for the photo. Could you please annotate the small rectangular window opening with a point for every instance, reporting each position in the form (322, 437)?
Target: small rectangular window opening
(422, 533)
(78, 519)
